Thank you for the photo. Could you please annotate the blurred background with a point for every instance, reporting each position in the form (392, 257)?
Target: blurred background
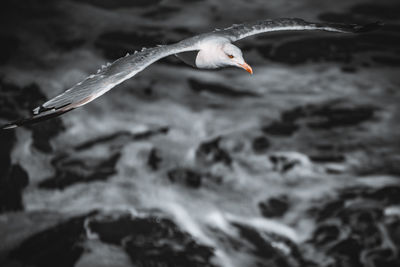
(296, 165)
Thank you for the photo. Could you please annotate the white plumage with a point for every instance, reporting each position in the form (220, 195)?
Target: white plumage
(212, 50)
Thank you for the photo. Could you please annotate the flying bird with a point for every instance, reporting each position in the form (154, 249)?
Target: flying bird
(205, 51)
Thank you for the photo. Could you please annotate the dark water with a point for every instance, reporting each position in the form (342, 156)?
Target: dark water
(297, 165)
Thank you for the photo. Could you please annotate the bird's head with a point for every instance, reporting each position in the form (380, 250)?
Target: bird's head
(233, 56)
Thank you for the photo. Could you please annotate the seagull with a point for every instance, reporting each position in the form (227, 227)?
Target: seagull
(210, 50)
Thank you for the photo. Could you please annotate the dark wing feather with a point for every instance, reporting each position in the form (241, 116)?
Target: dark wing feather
(104, 80)
(240, 31)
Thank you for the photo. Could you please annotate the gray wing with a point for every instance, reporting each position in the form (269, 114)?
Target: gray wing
(104, 80)
(188, 58)
(240, 31)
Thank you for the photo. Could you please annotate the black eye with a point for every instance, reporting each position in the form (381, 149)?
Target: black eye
(230, 56)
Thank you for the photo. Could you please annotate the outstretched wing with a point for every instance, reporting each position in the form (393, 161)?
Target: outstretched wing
(240, 31)
(104, 80)
(124, 68)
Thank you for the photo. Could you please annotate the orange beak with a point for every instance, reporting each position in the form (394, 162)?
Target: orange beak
(246, 67)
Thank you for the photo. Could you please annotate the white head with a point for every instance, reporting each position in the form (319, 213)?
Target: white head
(218, 55)
(233, 56)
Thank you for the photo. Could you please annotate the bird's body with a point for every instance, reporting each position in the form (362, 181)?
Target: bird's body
(205, 51)
(208, 55)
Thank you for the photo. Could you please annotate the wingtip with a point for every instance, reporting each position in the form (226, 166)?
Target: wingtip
(9, 126)
(369, 27)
